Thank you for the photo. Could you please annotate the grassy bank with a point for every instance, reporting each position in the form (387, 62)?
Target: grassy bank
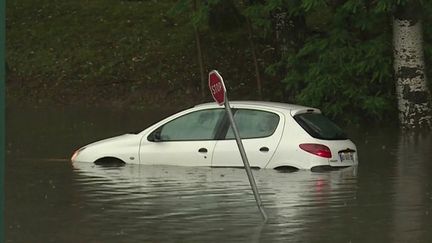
(116, 53)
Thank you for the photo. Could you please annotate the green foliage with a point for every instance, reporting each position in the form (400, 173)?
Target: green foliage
(259, 14)
(61, 48)
(337, 56)
(196, 12)
(118, 53)
(344, 63)
(313, 4)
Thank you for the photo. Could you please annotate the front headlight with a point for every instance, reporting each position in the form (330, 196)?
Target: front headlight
(75, 154)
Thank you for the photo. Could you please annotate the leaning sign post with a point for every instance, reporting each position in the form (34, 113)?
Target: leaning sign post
(218, 91)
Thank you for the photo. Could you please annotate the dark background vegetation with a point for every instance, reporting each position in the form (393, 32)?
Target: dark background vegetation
(335, 54)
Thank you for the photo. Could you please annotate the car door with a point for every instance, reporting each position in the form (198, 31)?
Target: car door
(186, 141)
(260, 131)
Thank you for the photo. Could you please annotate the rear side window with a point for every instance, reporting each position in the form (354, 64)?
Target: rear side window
(254, 124)
(319, 126)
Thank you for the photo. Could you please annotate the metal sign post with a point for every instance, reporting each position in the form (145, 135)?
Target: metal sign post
(215, 81)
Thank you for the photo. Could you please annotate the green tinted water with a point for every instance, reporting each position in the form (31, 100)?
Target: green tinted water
(388, 198)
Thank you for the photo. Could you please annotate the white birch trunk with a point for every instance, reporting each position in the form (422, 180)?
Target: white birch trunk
(414, 99)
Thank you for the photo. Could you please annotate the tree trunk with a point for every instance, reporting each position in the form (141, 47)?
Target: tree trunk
(414, 98)
(199, 54)
(281, 25)
(255, 59)
(200, 62)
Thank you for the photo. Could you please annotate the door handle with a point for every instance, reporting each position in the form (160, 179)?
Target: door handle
(202, 150)
(264, 149)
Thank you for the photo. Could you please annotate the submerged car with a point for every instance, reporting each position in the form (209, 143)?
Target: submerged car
(274, 135)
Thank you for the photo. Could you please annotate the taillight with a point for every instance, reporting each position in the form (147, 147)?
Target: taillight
(317, 149)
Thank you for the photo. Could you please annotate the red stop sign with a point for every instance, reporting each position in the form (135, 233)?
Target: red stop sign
(217, 87)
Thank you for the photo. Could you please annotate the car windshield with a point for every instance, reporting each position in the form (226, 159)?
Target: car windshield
(319, 126)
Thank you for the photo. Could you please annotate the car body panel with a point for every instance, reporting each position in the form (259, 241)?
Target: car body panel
(337, 146)
(124, 147)
(227, 154)
(283, 144)
(184, 153)
(289, 153)
(259, 151)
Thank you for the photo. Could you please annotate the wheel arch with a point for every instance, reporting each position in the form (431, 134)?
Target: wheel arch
(286, 168)
(288, 163)
(109, 160)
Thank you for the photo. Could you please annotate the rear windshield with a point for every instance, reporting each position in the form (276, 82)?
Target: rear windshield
(319, 126)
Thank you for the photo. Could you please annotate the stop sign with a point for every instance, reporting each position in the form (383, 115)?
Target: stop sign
(217, 87)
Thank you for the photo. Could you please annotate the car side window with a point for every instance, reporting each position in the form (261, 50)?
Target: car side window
(198, 125)
(254, 124)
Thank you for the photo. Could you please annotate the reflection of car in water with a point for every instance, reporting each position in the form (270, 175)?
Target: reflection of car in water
(137, 174)
(213, 197)
(275, 135)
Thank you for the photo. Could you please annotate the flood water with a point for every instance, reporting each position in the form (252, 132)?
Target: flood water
(387, 198)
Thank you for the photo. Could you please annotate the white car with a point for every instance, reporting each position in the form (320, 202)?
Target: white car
(274, 135)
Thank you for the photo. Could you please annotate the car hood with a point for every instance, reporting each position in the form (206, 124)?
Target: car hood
(117, 139)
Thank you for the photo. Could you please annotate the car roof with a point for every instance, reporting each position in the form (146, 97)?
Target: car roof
(291, 108)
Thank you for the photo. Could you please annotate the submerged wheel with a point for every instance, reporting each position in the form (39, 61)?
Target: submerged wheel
(110, 162)
(286, 169)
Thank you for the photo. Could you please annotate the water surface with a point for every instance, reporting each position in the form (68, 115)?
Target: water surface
(388, 198)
